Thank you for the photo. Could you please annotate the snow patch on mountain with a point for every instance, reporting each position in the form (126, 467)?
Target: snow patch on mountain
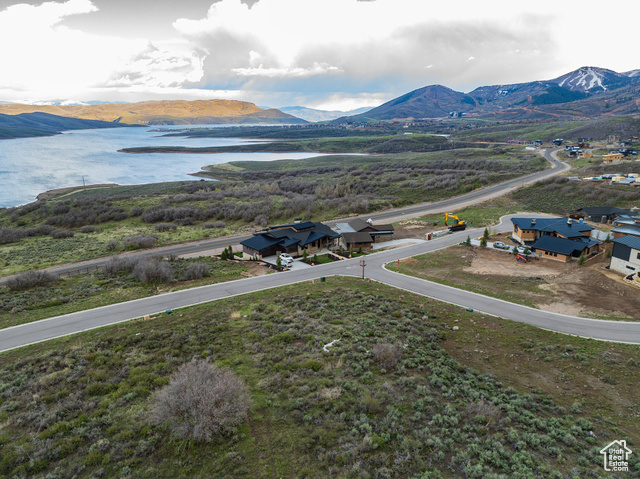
(584, 79)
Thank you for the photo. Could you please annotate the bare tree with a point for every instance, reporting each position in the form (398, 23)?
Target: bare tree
(202, 401)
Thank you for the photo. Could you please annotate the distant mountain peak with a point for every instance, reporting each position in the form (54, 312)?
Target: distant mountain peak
(590, 79)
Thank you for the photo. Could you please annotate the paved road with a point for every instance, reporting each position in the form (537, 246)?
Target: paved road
(392, 215)
(620, 331)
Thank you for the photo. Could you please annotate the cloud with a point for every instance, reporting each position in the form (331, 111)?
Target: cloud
(340, 46)
(41, 54)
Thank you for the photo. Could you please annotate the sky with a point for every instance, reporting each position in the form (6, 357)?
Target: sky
(325, 54)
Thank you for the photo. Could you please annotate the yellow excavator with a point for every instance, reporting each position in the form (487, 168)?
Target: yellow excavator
(458, 225)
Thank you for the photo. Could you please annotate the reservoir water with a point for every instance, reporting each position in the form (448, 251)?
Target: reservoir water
(31, 166)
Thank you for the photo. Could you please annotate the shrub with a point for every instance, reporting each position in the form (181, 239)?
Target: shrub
(162, 227)
(387, 354)
(198, 271)
(153, 271)
(202, 401)
(140, 241)
(31, 279)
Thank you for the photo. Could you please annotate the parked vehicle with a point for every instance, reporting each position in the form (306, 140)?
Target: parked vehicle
(286, 259)
(500, 245)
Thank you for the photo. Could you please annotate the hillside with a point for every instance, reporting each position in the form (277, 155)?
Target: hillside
(584, 93)
(169, 112)
(27, 125)
(403, 393)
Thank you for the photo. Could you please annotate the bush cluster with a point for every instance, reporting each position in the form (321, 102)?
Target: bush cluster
(202, 401)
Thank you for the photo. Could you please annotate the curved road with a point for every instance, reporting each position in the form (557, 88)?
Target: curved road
(392, 215)
(620, 331)
(43, 330)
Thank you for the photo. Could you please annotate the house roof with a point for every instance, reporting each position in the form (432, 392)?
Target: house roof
(553, 225)
(562, 245)
(287, 235)
(604, 210)
(297, 226)
(358, 224)
(260, 242)
(358, 237)
(630, 241)
(624, 220)
(627, 230)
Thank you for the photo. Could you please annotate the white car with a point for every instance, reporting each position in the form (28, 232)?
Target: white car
(286, 258)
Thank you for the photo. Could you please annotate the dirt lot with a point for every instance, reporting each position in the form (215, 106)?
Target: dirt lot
(588, 290)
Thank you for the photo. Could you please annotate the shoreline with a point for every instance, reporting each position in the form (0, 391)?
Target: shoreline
(58, 192)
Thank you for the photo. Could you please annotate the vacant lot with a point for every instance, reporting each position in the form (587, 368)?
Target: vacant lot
(589, 291)
(394, 397)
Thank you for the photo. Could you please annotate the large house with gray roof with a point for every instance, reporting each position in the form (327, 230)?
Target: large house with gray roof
(292, 238)
(559, 239)
(359, 233)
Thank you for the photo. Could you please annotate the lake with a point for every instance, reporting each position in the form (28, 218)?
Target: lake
(30, 166)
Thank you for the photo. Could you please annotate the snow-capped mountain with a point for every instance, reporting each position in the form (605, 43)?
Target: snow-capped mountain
(592, 79)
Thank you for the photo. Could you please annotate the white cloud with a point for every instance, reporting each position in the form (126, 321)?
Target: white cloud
(40, 54)
(316, 69)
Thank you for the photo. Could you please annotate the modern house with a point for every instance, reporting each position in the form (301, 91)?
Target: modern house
(602, 214)
(562, 249)
(555, 238)
(527, 231)
(625, 257)
(290, 238)
(354, 233)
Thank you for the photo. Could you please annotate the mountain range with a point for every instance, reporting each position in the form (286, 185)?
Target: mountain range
(584, 93)
(314, 115)
(167, 112)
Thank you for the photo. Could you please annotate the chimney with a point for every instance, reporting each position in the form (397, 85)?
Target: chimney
(533, 221)
(569, 221)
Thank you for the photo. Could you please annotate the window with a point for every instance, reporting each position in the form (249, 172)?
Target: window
(638, 256)
(515, 228)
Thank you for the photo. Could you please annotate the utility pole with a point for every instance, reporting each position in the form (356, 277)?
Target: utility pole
(83, 185)
(363, 264)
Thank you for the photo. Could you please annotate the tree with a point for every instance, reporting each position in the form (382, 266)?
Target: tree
(224, 255)
(202, 401)
(278, 262)
(483, 242)
(468, 242)
(515, 249)
(485, 235)
(230, 252)
(582, 258)
(304, 254)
